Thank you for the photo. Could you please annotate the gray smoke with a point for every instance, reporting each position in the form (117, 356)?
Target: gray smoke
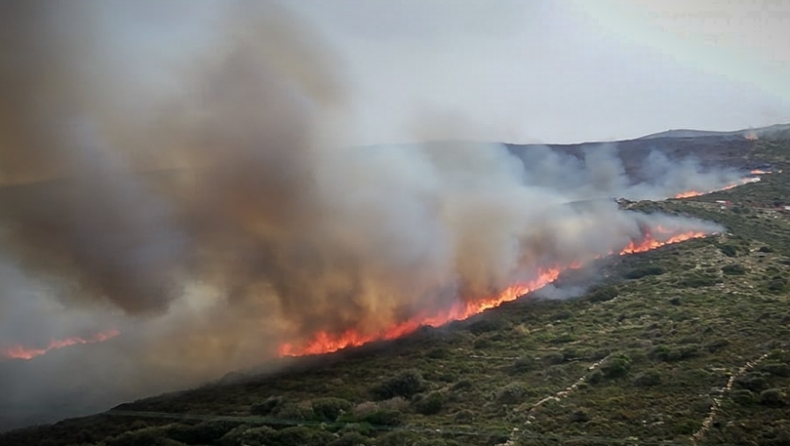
(600, 173)
(204, 202)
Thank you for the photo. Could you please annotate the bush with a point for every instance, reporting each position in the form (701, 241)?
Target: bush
(772, 397)
(729, 250)
(648, 378)
(716, 345)
(595, 377)
(615, 367)
(513, 393)
(352, 439)
(266, 407)
(733, 270)
(697, 281)
(202, 433)
(463, 384)
(328, 409)
(294, 412)
(777, 284)
(301, 436)
(742, 396)
(776, 369)
(430, 405)
(406, 384)
(554, 358)
(487, 325)
(751, 381)
(143, 437)
(672, 354)
(604, 294)
(524, 364)
(384, 418)
(651, 270)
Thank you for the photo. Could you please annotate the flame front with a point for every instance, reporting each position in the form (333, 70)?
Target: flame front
(742, 181)
(22, 352)
(326, 342)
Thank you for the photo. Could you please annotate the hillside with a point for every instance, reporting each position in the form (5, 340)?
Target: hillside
(682, 345)
(770, 131)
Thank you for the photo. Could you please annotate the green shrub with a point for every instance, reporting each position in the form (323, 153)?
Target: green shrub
(143, 437)
(405, 384)
(294, 412)
(772, 397)
(430, 405)
(672, 354)
(513, 393)
(776, 369)
(697, 281)
(352, 439)
(463, 384)
(524, 364)
(202, 433)
(743, 397)
(615, 366)
(716, 345)
(734, 270)
(650, 270)
(267, 406)
(648, 378)
(595, 377)
(397, 438)
(604, 294)
(777, 284)
(328, 409)
(384, 418)
(751, 381)
(301, 436)
(729, 250)
(553, 358)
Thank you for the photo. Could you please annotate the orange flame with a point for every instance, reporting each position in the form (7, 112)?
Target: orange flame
(326, 342)
(759, 172)
(751, 136)
(22, 352)
(742, 181)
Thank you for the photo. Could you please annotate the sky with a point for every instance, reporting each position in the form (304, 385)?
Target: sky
(558, 71)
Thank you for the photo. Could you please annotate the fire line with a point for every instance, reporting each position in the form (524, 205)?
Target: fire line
(325, 342)
(21, 352)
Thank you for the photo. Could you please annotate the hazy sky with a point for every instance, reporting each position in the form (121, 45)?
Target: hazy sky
(560, 71)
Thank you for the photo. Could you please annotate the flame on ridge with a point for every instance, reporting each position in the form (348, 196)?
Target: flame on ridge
(26, 353)
(326, 342)
(742, 181)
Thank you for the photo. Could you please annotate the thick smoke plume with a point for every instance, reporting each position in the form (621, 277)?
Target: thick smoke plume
(203, 201)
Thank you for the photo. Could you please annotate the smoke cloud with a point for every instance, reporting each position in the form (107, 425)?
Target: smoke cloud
(204, 202)
(599, 172)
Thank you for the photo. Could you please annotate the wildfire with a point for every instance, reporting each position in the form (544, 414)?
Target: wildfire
(742, 181)
(325, 342)
(759, 172)
(22, 352)
(751, 136)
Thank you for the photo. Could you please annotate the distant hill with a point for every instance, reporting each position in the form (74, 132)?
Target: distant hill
(782, 129)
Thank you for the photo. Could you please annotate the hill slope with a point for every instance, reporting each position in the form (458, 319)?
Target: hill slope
(690, 339)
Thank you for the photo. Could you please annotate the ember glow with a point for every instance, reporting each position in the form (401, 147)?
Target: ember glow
(759, 172)
(324, 342)
(741, 182)
(26, 353)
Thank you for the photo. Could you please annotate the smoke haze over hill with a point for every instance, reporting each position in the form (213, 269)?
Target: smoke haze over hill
(211, 223)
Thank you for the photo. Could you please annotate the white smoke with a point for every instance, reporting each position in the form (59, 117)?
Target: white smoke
(211, 223)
